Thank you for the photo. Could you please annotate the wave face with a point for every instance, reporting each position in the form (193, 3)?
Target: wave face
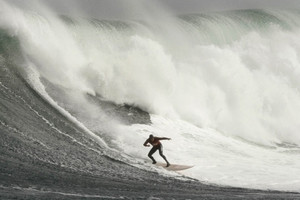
(224, 86)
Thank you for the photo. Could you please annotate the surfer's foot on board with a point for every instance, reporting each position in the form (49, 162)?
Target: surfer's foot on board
(168, 164)
(154, 162)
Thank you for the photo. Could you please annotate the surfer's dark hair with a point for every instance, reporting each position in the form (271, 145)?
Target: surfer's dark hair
(151, 136)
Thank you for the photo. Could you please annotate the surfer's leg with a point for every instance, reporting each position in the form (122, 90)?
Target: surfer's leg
(151, 152)
(162, 155)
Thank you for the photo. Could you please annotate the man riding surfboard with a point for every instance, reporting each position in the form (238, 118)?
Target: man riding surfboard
(155, 142)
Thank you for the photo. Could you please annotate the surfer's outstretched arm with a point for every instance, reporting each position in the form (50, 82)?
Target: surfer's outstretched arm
(164, 138)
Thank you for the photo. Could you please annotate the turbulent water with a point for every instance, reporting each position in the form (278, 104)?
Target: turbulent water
(224, 86)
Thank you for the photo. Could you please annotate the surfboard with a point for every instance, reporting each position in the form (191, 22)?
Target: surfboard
(174, 167)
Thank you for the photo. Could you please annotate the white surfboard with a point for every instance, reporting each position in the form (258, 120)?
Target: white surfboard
(174, 167)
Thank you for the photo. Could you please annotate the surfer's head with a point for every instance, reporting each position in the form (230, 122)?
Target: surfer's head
(151, 137)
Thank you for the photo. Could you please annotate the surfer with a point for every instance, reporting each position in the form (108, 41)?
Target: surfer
(154, 141)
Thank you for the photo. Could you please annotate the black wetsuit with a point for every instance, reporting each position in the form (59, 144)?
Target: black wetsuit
(156, 146)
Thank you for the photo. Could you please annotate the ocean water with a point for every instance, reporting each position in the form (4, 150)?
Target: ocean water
(224, 86)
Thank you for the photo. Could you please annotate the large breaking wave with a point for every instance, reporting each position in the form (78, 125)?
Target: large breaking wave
(223, 86)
